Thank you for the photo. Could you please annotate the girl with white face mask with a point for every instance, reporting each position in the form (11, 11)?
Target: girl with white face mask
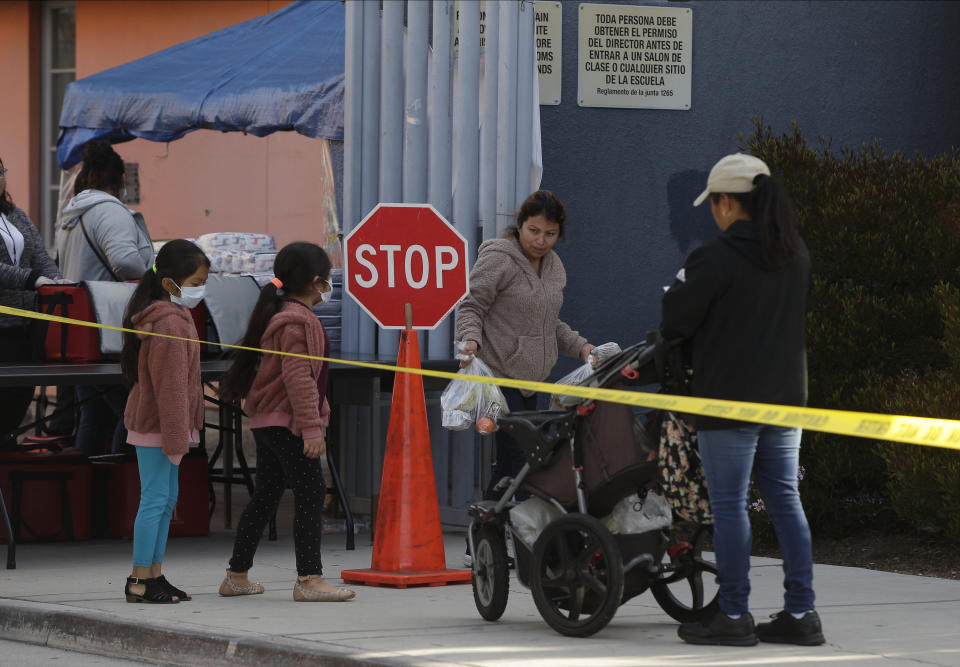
(164, 413)
(286, 400)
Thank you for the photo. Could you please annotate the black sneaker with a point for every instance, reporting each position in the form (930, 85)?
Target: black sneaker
(785, 629)
(720, 630)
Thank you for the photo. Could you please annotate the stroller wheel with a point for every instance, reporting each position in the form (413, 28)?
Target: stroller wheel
(576, 575)
(686, 588)
(491, 573)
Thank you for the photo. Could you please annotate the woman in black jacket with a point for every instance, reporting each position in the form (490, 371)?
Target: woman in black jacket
(741, 300)
(24, 266)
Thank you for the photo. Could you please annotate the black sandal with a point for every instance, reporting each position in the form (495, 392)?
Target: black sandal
(173, 590)
(154, 592)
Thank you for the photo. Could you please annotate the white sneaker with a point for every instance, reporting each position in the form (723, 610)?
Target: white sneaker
(467, 560)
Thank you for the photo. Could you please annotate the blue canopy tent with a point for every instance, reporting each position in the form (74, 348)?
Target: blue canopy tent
(281, 71)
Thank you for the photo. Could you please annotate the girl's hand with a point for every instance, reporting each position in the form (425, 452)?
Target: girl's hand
(585, 351)
(468, 351)
(314, 448)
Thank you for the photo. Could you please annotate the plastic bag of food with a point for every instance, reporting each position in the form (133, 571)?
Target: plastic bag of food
(598, 355)
(634, 514)
(465, 402)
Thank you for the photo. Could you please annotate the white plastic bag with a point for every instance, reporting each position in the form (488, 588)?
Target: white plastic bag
(597, 355)
(530, 517)
(632, 515)
(465, 401)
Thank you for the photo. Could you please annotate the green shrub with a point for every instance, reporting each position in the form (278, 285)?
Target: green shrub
(884, 238)
(925, 481)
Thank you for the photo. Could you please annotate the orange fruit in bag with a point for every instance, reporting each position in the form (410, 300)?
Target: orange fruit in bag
(486, 425)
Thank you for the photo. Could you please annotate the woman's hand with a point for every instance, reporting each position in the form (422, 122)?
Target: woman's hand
(43, 280)
(314, 448)
(468, 349)
(585, 351)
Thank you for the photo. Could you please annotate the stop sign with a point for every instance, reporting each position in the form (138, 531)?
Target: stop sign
(405, 253)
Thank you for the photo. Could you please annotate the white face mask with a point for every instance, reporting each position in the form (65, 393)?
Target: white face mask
(189, 296)
(325, 296)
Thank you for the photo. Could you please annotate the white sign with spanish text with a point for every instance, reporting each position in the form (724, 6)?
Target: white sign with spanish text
(635, 57)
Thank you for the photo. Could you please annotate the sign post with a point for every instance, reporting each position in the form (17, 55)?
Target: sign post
(407, 268)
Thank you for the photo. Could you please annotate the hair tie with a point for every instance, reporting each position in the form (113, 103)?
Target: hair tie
(276, 282)
(154, 268)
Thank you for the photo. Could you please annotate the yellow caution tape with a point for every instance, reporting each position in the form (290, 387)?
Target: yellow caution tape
(900, 428)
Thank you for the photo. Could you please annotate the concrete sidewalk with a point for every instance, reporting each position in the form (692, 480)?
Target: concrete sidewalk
(70, 595)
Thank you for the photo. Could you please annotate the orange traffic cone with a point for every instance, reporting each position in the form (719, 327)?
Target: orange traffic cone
(408, 546)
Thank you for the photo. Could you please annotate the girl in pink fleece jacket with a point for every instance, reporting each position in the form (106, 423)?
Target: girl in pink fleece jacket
(287, 405)
(164, 413)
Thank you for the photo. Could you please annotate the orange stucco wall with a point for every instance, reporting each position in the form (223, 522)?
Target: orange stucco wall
(207, 181)
(19, 109)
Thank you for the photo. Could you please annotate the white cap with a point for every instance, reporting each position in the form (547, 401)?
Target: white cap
(733, 173)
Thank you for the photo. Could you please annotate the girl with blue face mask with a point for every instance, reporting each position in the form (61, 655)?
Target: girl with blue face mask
(286, 401)
(164, 413)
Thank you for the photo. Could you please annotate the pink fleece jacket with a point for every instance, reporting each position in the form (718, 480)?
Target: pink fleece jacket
(165, 407)
(284, 391)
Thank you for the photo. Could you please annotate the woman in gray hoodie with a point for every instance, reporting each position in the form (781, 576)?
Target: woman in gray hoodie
(99, 238)
(510, 319)
(24, 266)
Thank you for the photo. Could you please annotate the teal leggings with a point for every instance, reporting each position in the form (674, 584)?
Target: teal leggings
(159, 487)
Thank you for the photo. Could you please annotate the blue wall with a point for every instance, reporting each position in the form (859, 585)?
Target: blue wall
(851, 71)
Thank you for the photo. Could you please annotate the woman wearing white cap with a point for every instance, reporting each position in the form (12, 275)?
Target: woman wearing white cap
(741, 300)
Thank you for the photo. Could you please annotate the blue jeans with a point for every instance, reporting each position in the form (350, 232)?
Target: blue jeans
(159, 487)
(772, 453)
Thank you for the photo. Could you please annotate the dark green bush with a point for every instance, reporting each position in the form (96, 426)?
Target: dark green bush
(884, 238)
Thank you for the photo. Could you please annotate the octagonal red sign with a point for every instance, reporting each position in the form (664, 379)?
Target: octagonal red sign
(405, 253)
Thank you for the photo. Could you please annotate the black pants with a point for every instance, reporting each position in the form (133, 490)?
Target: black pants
(509, 457)
(101, 429)
(16, 344)
(281, 464)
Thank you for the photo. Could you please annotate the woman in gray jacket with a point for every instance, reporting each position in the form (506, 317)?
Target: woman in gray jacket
(24, 266)
(99, 238)
(510, 319)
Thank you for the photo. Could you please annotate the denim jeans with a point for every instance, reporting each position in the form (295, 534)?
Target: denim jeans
(772, 453)
(159, 488)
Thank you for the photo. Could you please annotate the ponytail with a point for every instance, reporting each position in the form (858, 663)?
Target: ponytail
(178, 260)
(148, 290)
(236, 382)
(769, 206)
(295, 267)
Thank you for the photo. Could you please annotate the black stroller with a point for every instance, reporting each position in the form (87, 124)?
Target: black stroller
(582, 461)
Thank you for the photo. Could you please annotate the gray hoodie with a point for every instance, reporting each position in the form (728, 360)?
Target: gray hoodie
(512, 312)
(119, 233)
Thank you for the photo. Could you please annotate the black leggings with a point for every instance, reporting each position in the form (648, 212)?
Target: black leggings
(15, 345)
(281, 464)
(509, 457)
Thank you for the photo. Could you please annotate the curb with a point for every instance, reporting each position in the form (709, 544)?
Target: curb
(101, 633)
